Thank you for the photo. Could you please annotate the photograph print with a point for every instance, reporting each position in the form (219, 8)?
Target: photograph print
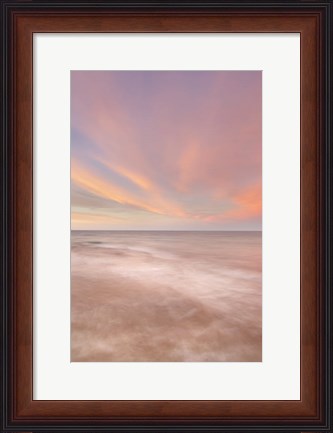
(166, 216)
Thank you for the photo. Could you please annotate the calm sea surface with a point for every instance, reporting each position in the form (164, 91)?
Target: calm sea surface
(166, 296)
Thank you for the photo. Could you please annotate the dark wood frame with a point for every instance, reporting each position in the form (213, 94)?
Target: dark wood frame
(20, 19)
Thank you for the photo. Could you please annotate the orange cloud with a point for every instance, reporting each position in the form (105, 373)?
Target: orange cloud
(247, 204)
(94, 184)
(136, 178)
(187, 165)
(250, 200)
(85, 217)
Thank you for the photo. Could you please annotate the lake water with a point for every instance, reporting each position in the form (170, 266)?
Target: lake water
(166, 296)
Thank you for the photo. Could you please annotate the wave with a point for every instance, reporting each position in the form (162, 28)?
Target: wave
(159, 296)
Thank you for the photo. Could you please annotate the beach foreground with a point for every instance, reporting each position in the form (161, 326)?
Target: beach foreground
(166, 296)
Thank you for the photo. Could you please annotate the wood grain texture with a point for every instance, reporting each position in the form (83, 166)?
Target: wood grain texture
(310, 410)
(25, 26)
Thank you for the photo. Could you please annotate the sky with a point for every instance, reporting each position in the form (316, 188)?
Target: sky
(166, 150)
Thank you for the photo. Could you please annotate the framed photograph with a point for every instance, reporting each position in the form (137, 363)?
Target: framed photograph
(166, 216)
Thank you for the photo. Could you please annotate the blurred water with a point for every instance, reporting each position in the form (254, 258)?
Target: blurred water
(165, 296)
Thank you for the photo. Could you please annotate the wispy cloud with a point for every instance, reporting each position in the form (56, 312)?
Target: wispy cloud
(168, 149)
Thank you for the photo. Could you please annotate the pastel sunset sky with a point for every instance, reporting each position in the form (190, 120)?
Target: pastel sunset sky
(166, 150)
